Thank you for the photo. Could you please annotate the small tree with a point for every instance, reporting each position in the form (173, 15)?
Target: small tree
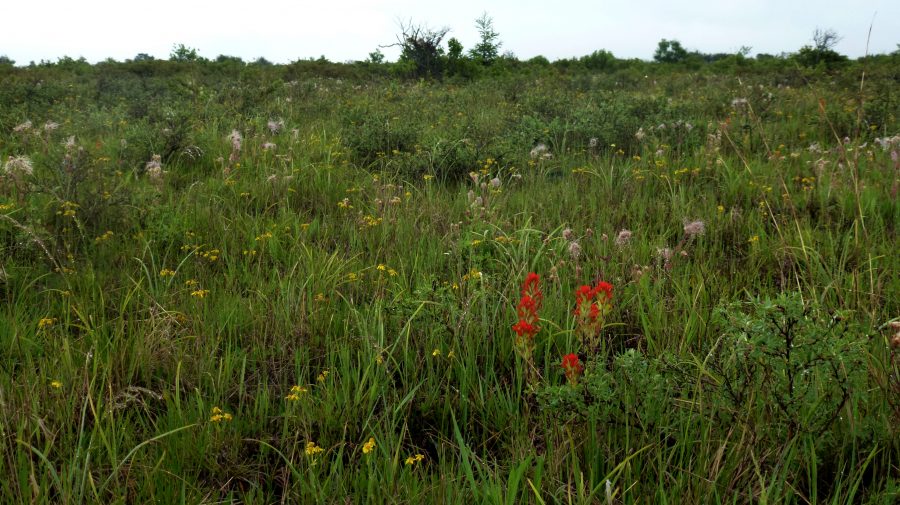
(421, 47)
(822, 51)
(670, 51)
(376, 57)
(180, 52)
(488, 49)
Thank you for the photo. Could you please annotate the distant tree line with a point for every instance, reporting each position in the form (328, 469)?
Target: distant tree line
(427, 53)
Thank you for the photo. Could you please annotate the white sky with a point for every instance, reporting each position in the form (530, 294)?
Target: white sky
(341, 30)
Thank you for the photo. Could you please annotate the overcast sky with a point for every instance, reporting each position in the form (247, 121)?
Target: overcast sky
(342, 30)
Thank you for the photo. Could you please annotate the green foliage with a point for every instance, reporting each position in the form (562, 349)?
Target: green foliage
(488, 48)
(421, 48)
(182, 53)
(376, 57)
(156, 267)
(670, 51)
(809, 364)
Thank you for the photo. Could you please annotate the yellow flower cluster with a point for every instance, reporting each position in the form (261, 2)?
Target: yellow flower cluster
(200, 293)
(46, 322)
(165, 272)
(103, 238)
(371, 221)
(67, 209)
(369, 446)
(384, 268)
(322, 376)
(412, 460)
(210, 255)
(312, 449)
(295, 393)
(219, 415)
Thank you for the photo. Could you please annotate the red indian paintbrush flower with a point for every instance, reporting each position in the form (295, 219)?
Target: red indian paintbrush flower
(591, 306)
(527, 310)
(572, 366)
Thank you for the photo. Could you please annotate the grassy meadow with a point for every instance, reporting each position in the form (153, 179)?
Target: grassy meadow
(299, 283)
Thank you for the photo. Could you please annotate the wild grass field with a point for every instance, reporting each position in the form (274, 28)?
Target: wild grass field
(308, 283)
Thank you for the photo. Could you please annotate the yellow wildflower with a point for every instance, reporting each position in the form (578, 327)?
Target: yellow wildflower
(200, 293)
(436, 353)
(322, 376)
(56, 384)
(369, 446)
(312, 449)
(412, 460)
(295, 393)
(219, 415)
(165, 272)
(46, 322)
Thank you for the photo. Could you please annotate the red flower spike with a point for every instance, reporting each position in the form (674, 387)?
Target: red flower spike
(572, 367)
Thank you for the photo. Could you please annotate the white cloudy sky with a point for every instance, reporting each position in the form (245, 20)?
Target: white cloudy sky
(285, 30)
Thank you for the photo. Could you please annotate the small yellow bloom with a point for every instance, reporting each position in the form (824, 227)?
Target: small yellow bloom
(322, 376)
(721, 209)
(46, 322)
(56, 384)
(219, 415)
(295, 393)
(412, 460)
(451, 354)
(312, 449)
(369, 446)
(436, 353)
(381, 267)
(165, 272)
(754, 239)
(428, 177)
(379, 359)
(200, 293)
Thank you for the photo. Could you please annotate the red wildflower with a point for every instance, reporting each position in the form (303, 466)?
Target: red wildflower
(592, 304)
(527, 311)
(572, 367)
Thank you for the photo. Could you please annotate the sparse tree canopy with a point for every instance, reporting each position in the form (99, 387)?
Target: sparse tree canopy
(825, 40)
(822, 51)
(421, 46)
